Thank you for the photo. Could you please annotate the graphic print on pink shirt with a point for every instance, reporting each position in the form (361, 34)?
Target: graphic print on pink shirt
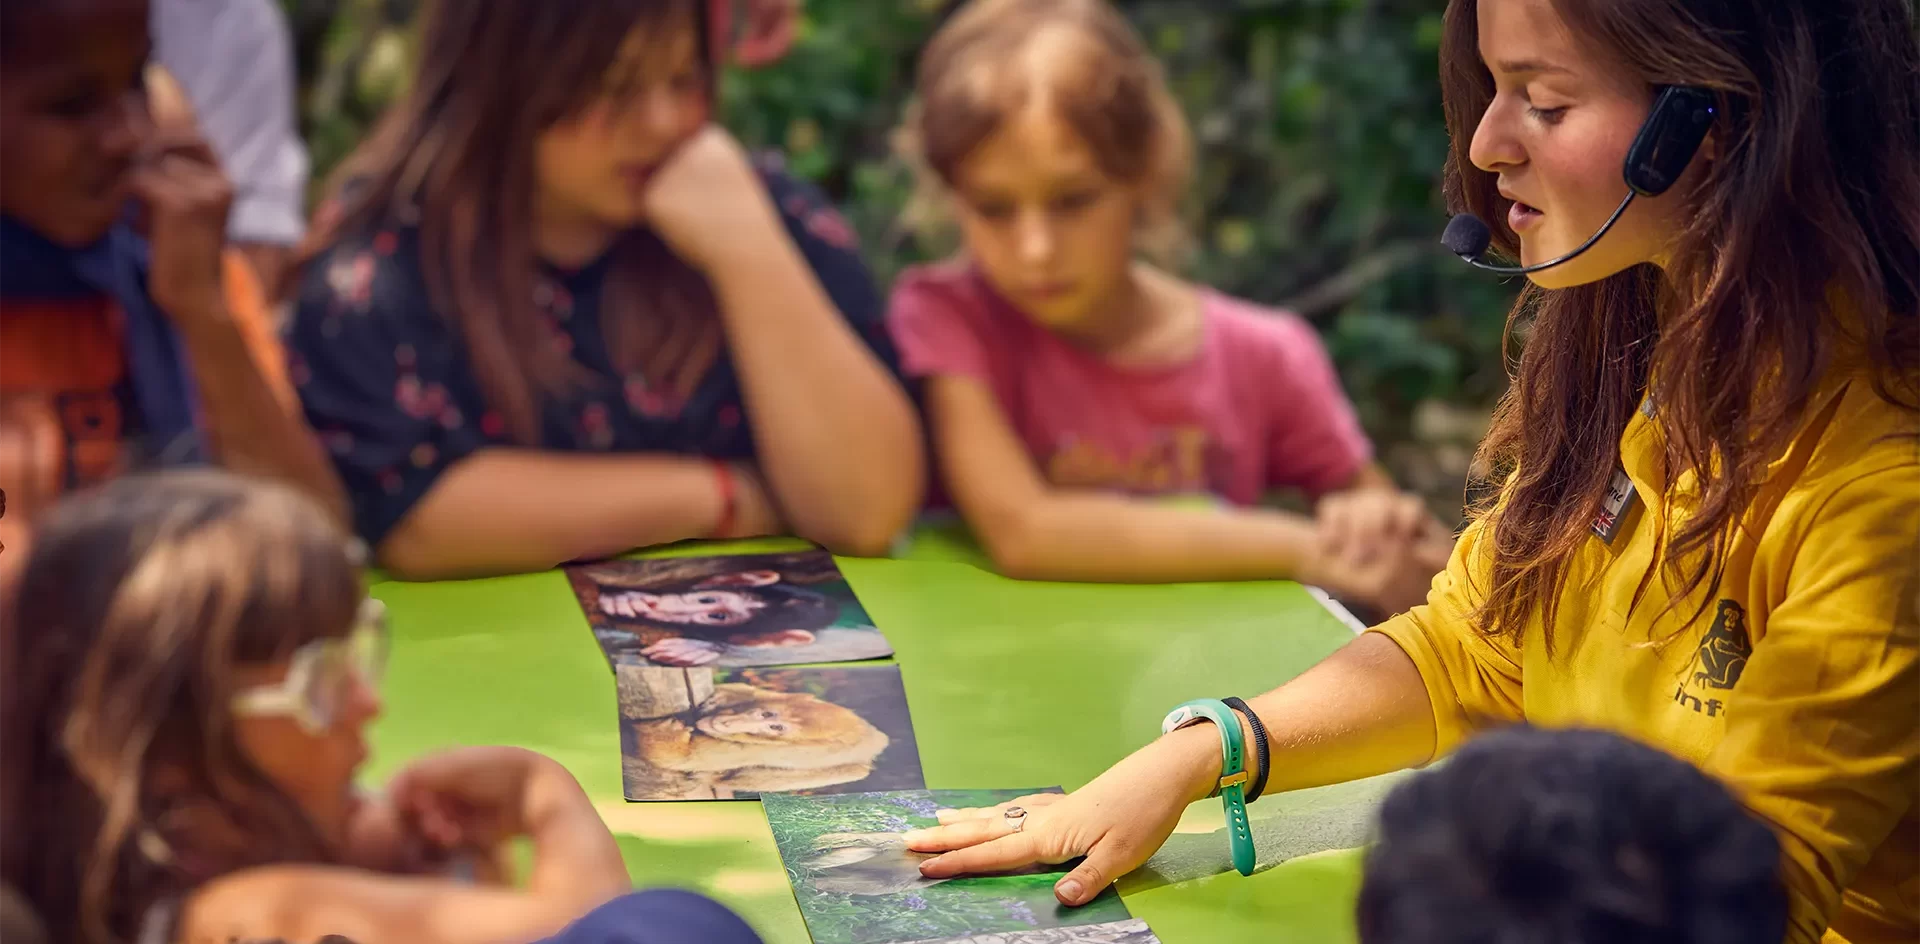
(1181, 460)
(1257, 408)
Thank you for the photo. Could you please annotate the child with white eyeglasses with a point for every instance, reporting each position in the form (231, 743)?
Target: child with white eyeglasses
(192, 662)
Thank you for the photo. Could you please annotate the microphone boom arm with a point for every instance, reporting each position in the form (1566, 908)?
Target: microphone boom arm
(1583, 247)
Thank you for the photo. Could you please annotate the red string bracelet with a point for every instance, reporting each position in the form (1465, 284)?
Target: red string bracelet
(729, 500)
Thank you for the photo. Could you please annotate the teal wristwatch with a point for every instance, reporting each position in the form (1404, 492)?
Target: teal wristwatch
(1233, 770)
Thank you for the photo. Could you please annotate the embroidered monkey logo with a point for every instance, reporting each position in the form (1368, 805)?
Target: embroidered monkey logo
(1724, 649)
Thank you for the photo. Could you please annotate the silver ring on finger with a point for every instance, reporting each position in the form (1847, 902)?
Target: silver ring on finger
(1016, 818)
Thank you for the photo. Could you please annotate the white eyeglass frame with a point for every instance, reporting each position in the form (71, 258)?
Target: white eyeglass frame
(289, 696)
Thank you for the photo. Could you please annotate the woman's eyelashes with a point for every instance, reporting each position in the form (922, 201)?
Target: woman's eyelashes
(1546, 116)
(1545, 112)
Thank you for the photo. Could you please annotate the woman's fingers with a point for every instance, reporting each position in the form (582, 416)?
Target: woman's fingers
(1102, 866)
(958, 834)
(1010, 851)
(987, 845)
(1033, 802)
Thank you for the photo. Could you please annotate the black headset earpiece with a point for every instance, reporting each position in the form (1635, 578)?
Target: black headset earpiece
(1669, 138)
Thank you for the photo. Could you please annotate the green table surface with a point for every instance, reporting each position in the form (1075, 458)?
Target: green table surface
(1011, 684)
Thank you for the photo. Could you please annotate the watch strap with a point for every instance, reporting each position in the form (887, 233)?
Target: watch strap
(1233, 771)
(1261, 749)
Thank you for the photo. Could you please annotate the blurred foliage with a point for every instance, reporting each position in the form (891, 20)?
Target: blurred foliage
(1320, 139)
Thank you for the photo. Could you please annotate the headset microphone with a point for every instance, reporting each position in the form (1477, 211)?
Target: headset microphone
(1667, 141)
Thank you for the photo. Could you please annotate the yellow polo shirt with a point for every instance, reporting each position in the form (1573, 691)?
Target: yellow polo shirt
(1798, 684)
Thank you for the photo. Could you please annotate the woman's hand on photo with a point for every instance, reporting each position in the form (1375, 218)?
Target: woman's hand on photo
(1116, 822)
(709, 203)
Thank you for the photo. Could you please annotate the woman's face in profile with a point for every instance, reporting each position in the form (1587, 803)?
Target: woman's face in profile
(1557, 133)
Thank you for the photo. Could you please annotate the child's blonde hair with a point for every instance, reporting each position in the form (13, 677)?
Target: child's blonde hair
(1091, 67)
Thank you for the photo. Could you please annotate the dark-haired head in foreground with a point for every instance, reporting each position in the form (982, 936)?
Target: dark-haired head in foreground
(1530, 836)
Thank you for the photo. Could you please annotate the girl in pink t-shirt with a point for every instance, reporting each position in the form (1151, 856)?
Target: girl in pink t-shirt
(1070, 384)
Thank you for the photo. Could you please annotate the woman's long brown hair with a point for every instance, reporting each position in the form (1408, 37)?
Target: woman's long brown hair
(1802, 249)
(456, 157)
(136, 604)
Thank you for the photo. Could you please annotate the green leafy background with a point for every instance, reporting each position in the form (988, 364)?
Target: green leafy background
(1320, 140)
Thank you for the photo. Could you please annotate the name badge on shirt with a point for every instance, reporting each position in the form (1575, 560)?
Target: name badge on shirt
(1613, 511)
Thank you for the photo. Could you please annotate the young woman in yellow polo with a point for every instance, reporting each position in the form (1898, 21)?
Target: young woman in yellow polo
(1707, 535)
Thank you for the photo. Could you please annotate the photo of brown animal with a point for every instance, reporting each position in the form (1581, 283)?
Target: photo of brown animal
(697, 734)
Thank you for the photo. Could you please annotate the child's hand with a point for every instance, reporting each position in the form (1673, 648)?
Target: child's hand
(1361, 525)
(708, 201)
(383, 839)
(185, 199)
(467, 798)
(768, 32)
(1393, 581)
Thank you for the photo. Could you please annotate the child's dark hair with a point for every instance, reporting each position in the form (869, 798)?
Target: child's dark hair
(14, 41)
(993, 57)
(1528, 836)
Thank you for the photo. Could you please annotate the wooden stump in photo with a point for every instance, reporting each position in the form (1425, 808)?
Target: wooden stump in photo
(651, 691)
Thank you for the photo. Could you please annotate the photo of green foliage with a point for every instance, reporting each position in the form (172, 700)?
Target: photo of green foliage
(1130, 931)
(857, 883)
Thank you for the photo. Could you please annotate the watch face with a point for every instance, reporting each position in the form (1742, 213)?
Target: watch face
(1183, 716)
